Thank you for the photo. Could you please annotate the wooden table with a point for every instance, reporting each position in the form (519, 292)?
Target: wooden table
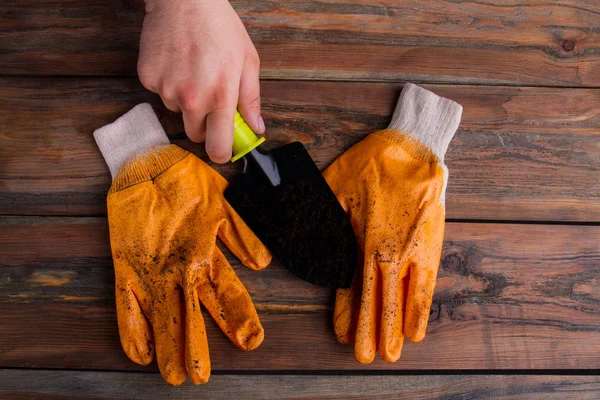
(517, 307)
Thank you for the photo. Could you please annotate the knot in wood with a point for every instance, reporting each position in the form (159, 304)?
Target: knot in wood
(568, 45)
(457, 260)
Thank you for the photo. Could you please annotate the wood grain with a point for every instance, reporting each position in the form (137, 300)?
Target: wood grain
(520, 153)
(529, 42)
(55, 385)
(508, 297)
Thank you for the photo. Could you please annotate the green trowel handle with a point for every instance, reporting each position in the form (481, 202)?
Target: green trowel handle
(244, 138)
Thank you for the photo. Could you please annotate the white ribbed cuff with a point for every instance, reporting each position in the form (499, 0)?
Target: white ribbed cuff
(129, 136)
(431, 119)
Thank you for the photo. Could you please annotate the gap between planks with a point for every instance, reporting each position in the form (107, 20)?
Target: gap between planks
(300, 79)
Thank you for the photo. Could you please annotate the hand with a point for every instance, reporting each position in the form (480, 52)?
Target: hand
(197, 55)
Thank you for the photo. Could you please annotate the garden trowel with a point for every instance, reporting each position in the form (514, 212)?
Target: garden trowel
(283, 197)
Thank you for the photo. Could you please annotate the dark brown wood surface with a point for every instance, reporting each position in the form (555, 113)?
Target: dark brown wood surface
(55, 385)
(520, 153)
(503, 301)
(485, 42)
(518, 290)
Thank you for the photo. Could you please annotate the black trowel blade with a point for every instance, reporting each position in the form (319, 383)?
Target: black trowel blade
(300, 220)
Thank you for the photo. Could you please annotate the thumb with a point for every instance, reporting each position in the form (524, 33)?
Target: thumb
(242, 242)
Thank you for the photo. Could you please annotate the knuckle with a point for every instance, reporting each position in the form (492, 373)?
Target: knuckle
(251, 99)
(147, 78)
(222, 97)
(166, 90)
(253, 59)
(189, 97)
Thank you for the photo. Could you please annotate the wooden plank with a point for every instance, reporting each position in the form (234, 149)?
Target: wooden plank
(68, 260)
(529, 42)
(508, 297)
(520, 153)
(18, 384)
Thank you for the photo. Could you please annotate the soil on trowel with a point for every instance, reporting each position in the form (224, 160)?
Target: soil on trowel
(300, 221)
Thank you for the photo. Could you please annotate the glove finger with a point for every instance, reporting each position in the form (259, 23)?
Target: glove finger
(423, 274)
(229, 303)
(197, 356)
(345, 312)
(392, 316)
(344, 317)
(134, 330)
(167, 319)
(242, 241)
(367, 330)
(418, 303)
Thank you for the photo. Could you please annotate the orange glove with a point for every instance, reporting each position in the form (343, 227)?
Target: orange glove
(392, 184)
(165, 210)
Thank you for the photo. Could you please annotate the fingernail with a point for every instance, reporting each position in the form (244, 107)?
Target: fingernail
(261, 124)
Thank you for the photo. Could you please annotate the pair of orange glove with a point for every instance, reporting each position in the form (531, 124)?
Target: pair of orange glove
(166, 208)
